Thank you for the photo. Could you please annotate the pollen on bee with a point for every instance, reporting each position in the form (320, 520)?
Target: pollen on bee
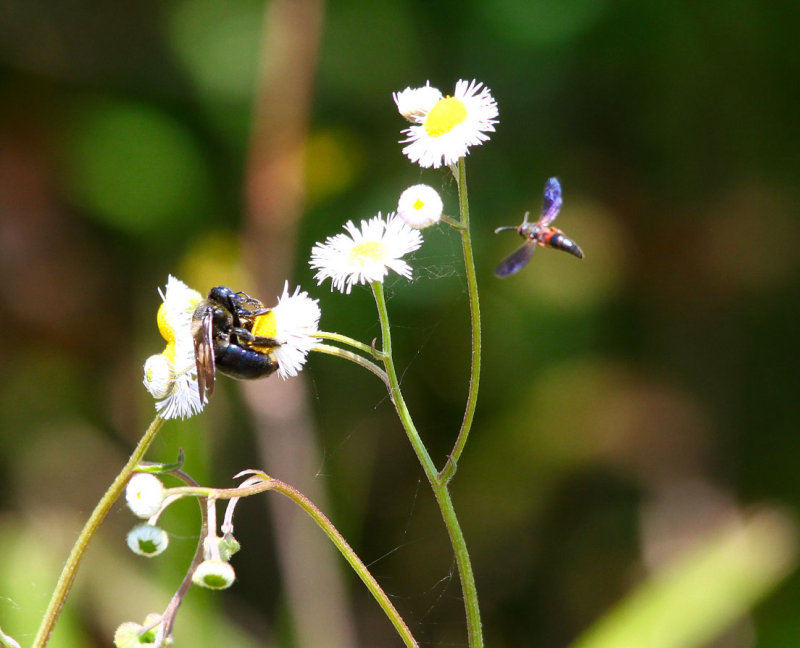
(265, 326)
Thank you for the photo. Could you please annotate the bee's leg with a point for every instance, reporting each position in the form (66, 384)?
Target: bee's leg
(254, 340)
(242, 333)
(260, 341)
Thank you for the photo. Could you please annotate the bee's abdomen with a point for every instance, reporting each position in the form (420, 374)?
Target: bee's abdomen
(243, 363)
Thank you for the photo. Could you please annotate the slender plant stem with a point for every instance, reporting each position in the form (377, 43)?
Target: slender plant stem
(475, 320)
(438, 484)
(338, 337)
(353, 357)
(394, 389)
(347, 551)
(70, 569)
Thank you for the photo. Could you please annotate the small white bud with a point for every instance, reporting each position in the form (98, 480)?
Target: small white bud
(415, 103)
(147, 540)
(158, 376)
(144, 495)
(134, 635)
(420, 206)
(214, 574)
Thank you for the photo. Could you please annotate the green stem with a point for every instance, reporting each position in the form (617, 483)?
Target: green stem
(452, 222)
(70, 569)
(347, 551)
(475, 320)
(394, 389)
(438, 484)
(353, 357)
(343, 339)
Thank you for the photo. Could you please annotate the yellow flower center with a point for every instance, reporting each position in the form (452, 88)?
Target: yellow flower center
(445, 116)
(367, 252)
(418, 204)
(164, 327)
(265, 326)
(168, 333)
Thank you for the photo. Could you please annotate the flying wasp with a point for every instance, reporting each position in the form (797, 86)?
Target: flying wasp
(538, 233)
(223, 340)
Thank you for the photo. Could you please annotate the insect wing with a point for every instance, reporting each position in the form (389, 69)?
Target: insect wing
(552, 202)
(515, 261)
(204, 353)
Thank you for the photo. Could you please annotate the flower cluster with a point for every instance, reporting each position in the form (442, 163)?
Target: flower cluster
(443, 128)
(203, 335)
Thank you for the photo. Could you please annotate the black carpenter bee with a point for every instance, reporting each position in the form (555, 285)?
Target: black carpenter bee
(538, 233)
(223, 340)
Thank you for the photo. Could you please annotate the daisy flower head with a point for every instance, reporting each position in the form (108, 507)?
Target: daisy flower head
(365, 254)
(414, 103)
(292, 322)
(171, 376)
(445, 131)
(420, 206)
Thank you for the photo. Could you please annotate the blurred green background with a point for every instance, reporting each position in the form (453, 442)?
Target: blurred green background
(631, 402)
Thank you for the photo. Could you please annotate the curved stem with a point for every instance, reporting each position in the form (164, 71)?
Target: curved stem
(347, 551)
(338, 337)
(438, 484)
(475, 320)
(70, 569)
(353, 357)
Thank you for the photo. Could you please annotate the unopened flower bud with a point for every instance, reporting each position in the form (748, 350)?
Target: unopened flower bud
(147, 540)
(144, 495)
(158, 376)
(420, 206)
(214, 574)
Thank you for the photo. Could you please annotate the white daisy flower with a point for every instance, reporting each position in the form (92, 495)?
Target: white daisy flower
(144, 495)
(415, 103)
(420, 206)
(147, 540)
(365, 255)
(172, 375)
(292, 322)
(445, 132)
(214, 574)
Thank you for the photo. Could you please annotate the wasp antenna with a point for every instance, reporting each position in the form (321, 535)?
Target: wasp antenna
(504, 228)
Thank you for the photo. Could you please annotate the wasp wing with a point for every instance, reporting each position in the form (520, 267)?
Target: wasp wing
(515, 261)
(203, 335)
(552, 202)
